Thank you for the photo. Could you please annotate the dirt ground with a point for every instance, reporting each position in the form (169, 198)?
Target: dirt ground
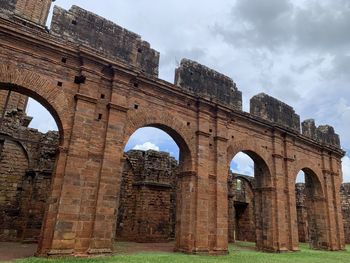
(11, 251)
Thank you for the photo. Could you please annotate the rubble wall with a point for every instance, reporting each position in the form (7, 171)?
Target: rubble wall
(27, 159)
(147, 202)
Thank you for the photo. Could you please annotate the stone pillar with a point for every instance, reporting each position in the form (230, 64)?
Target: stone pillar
(202, 202)
(50, 217)
(278, 240)
(221, 170)
(325, 235)
(337, 181)
(292, 242)
(110, 177)
(75, 172)
(185, 211)
(332, 195)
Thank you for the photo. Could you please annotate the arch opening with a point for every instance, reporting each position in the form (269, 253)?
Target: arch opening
(248, 174)
(28, 155)
(29, 96)
(310, 210)
(154, 157)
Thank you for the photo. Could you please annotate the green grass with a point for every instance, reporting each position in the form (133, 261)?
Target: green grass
(240, 252)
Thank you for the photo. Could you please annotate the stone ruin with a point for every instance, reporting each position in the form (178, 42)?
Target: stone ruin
(147, 201)
(27, 159)
(100, 82)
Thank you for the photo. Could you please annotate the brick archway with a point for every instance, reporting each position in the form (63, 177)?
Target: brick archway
(264, 191)
(306, 164)
(248, 146)
(41, 89)
(171, 125)
(100, 94)
(315, 204)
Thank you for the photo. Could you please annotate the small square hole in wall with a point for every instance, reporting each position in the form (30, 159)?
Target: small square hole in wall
(64, 60)
(136, 85)
(59, 84)
(74, 22)
(188, 123)
(99, 116)
(210, 130)
(102, 96)
(136, 106)
(79, 79)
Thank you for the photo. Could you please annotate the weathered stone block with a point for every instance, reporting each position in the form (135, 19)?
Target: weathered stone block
(274, 110)
(83, 27)
(207, 83)
(323, 133)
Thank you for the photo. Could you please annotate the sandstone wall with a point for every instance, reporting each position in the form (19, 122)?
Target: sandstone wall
(345, 199)
(207, 83)
(83, 27)
(148, 197)
(27, 159)
(303, 225)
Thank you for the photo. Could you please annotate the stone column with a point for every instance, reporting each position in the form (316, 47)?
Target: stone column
(66, 225)
(221, 170)
(186, 211)
(202, 203)
(292, 229)
(277, 240)
(326, 238)
(106, 205)
(337, 181)
(49, 221)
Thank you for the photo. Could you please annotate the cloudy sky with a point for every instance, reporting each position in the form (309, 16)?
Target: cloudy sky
(297, 51)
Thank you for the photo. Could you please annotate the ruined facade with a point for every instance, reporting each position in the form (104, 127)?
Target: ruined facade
(147, 204)
(27, 159)
(302, 211)
(100, 83)
(241, 213)
(345, 203)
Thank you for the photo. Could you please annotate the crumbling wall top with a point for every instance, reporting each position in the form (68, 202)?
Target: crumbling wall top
(153, 166)
(81, 26)
(323, 133)
(274, 110)
(207, 83)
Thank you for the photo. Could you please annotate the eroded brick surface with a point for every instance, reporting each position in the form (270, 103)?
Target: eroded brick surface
(26, 166)
(147, 206)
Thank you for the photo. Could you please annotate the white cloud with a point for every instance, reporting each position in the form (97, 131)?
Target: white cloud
(146, 146)
(242, 164)
(346, 169)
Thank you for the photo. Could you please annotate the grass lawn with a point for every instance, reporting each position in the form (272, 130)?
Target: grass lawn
(240, 252)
